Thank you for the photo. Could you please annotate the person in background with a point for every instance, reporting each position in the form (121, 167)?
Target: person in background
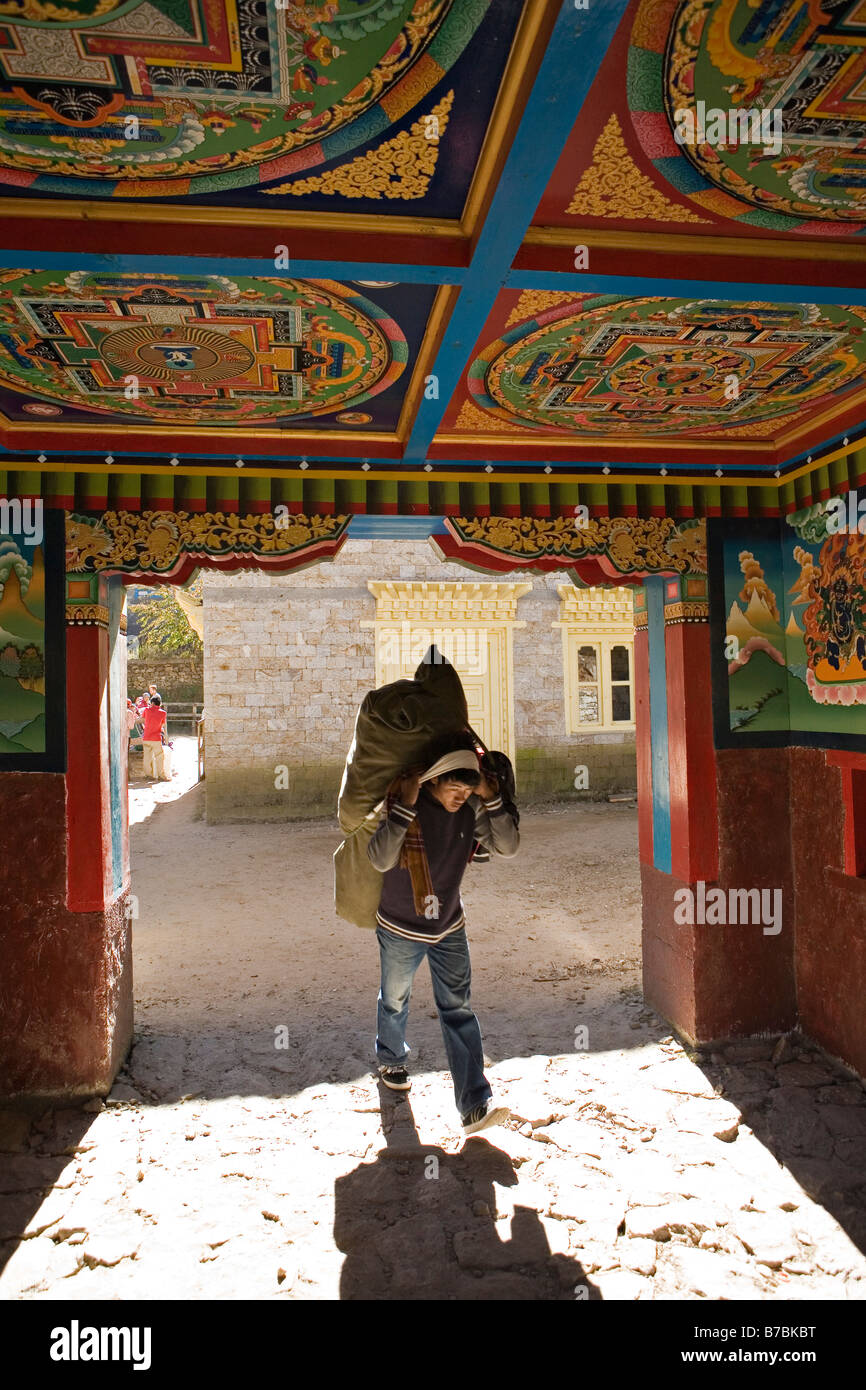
(132, 721)
(154, 730)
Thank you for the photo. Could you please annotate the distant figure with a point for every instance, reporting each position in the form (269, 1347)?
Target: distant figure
(132, 721)
(154, 730)
(152, 691)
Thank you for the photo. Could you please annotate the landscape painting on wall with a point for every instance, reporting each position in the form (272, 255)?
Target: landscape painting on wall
(32, 644)
(789, 646)
(22, 646)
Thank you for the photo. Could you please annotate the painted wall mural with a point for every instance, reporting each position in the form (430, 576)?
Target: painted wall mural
(200, 349)
(794, 611)
(164, 98)
(601, 364)
(22, 646)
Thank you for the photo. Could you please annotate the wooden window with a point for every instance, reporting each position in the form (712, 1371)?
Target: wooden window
(599, 683)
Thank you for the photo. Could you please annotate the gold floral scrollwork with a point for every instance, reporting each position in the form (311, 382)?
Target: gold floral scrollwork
(400, 168)
(633, 545)
(155, 541)
(613, 186)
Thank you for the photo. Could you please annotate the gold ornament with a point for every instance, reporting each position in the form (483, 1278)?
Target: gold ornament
(534, 302)
(613, 186)
(478, 421)
(156, 541)
(632, 544)
(400, 168)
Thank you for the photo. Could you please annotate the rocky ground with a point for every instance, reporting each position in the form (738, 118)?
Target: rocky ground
(247, 1151)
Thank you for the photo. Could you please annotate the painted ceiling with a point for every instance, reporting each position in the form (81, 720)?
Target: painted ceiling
(209, 350)
(233, 101)
(742, 115)
(434, 240)
(571, 371)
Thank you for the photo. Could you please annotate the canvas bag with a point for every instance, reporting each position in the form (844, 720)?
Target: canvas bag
(392, 728)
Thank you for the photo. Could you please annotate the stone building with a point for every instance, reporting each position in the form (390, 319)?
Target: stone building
(547, 668)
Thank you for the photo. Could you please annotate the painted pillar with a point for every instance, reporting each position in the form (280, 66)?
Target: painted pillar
(701, 827)
(66, 990)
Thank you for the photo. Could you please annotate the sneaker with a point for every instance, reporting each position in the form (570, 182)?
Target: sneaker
(483, 1118)
(396, 1078)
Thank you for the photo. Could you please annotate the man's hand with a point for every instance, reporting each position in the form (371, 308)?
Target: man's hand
(487, 788)
(409, 787)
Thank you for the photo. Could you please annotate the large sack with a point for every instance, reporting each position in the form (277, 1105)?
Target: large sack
(393, 726)
(357, 885)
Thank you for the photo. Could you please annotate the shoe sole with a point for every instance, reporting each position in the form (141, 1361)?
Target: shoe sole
(395, 1085)
(493, 1117)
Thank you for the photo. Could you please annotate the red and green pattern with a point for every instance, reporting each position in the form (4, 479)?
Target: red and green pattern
(194, 349)
(223, 93)
(736, 56)
(651, 366)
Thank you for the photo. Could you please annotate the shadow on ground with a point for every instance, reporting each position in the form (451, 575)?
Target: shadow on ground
(420, 1223)
(810, 1113)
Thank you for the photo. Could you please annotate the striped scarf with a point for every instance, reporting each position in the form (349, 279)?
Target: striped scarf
(413, 855)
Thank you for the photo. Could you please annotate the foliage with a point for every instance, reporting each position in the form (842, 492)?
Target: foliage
(163, 627)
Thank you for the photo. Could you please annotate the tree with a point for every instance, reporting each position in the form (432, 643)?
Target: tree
(10, 661)
(32, 668)
(163, 627)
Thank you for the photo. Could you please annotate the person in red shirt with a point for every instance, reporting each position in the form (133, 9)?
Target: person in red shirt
(154, 727)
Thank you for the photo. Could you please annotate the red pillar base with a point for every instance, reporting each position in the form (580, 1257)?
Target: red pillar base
(66, 983)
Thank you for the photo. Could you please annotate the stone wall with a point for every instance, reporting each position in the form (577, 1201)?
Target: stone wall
(175, 677)
(286, 664)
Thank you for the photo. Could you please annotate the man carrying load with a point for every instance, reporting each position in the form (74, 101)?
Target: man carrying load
(432, 825)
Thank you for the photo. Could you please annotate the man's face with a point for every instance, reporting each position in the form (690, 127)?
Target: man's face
(450, 794)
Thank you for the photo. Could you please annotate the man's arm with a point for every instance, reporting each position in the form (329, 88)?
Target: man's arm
(384, 848)
(494, 828)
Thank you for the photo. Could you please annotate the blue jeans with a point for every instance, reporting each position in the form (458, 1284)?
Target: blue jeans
(450, 972)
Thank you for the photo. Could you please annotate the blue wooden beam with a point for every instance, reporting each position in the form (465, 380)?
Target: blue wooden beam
(764, 291)
(208, 265)
(577, 46)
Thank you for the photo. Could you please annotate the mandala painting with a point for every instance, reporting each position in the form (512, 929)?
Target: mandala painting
(800, 65)
(653, 366)
(195, 350)
(156, 98)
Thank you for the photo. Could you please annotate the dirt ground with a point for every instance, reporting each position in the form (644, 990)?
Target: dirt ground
(242, 917)
(247, 1150)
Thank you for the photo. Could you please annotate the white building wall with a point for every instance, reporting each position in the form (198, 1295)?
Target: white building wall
(286, 664)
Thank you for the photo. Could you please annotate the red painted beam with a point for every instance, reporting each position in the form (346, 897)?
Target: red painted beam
(88, 822)
(106, 236)
(697, 265)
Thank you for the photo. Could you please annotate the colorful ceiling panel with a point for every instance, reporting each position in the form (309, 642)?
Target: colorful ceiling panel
(237, 101)
(206, 350)
(590, 369)
(311, 235)
(739, 115)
